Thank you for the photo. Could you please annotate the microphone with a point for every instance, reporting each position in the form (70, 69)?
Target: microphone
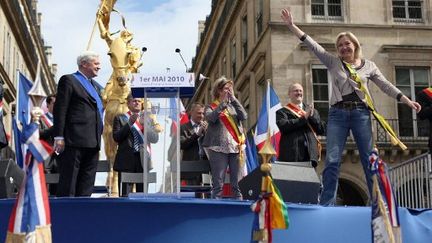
(202, 77)
(181, 56)
(143, 49)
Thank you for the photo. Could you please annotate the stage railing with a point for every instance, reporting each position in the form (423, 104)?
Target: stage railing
(412, 182)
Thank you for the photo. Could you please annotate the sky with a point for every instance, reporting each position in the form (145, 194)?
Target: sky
(160, 25)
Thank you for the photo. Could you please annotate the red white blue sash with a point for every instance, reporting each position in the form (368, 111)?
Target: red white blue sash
(139, 128)
(46, 121)
(1, 108)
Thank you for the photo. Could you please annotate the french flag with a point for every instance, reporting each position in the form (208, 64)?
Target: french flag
(267, 120)
(182, 116)
(30, 218)
(385, 216)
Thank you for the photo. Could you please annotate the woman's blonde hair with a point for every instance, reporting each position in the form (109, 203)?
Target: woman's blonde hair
(355, 41)
(218, 85)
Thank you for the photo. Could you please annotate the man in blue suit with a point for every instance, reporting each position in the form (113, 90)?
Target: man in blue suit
(78, 127)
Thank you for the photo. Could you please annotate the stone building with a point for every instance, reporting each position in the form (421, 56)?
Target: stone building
(21, 48)
(247, 41)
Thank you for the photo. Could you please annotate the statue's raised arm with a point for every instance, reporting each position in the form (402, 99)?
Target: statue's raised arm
(103, 18)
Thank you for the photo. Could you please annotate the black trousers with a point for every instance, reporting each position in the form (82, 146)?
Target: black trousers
(77, 168)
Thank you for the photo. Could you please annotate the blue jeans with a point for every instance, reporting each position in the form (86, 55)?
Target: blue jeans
(340, 122)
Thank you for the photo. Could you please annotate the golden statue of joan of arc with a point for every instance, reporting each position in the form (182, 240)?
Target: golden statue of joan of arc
(125, 59)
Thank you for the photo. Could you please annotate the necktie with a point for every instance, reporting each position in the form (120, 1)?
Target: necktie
(195, 127)
(49, 116)
(92, 83)
(136, 140)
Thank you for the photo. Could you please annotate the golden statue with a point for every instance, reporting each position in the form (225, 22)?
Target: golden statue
(125, 59)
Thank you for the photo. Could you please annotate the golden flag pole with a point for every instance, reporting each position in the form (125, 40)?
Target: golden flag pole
(91, 35)
(101, 4)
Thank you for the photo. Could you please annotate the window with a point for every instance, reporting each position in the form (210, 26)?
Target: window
(261, 91)
(411, 80)
(327, 9)
(321, 90)
(7, 55)
(407, 10)
(244, 36)
(233, 58)
(259, 17)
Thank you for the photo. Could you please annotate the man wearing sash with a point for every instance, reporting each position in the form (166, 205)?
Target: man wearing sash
(46, 133)
(128, 132)
(224, 140)
(299, 124)
(46, 130)
(424, 97)
(78, 127)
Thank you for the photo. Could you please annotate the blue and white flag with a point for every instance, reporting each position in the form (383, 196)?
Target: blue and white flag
(23, 117)
(24, 103)
(251, 153)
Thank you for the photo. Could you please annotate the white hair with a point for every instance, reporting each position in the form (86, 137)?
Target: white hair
(86, 56)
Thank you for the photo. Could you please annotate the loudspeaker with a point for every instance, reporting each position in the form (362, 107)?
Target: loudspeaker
(11, 177)
(297, 182)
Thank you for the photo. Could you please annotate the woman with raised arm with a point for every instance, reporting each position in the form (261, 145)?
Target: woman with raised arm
(350, 101)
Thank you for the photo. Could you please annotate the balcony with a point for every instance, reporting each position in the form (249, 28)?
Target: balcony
(413, 133)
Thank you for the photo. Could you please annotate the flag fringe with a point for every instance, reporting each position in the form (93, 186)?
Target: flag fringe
(394, 233)
(382, 208)
(42, 234)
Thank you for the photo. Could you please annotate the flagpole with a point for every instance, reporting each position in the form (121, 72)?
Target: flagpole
(17, 93)
(16, 107)
(164, 147)
(178, 144)
(268, 108)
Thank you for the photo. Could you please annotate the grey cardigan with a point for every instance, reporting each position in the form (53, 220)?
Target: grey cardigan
(215, 135)
(341, 83)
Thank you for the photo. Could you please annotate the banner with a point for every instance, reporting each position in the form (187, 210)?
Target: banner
(165, 80)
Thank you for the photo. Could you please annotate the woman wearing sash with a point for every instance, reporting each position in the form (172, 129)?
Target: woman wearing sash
(351, 104)
(224, 140)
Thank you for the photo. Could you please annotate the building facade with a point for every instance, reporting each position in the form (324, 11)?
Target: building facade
(21, 49)
(247, 41)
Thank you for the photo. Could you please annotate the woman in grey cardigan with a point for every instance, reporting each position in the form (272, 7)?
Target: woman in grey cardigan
(349, 110)
(224, 140)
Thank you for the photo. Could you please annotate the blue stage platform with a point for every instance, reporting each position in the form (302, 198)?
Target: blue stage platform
(165, 220)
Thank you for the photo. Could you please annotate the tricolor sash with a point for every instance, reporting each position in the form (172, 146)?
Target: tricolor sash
(30, 220)
(233, 129)
(297, 111)
(381, 120)
(139, 128)
(46, 121)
